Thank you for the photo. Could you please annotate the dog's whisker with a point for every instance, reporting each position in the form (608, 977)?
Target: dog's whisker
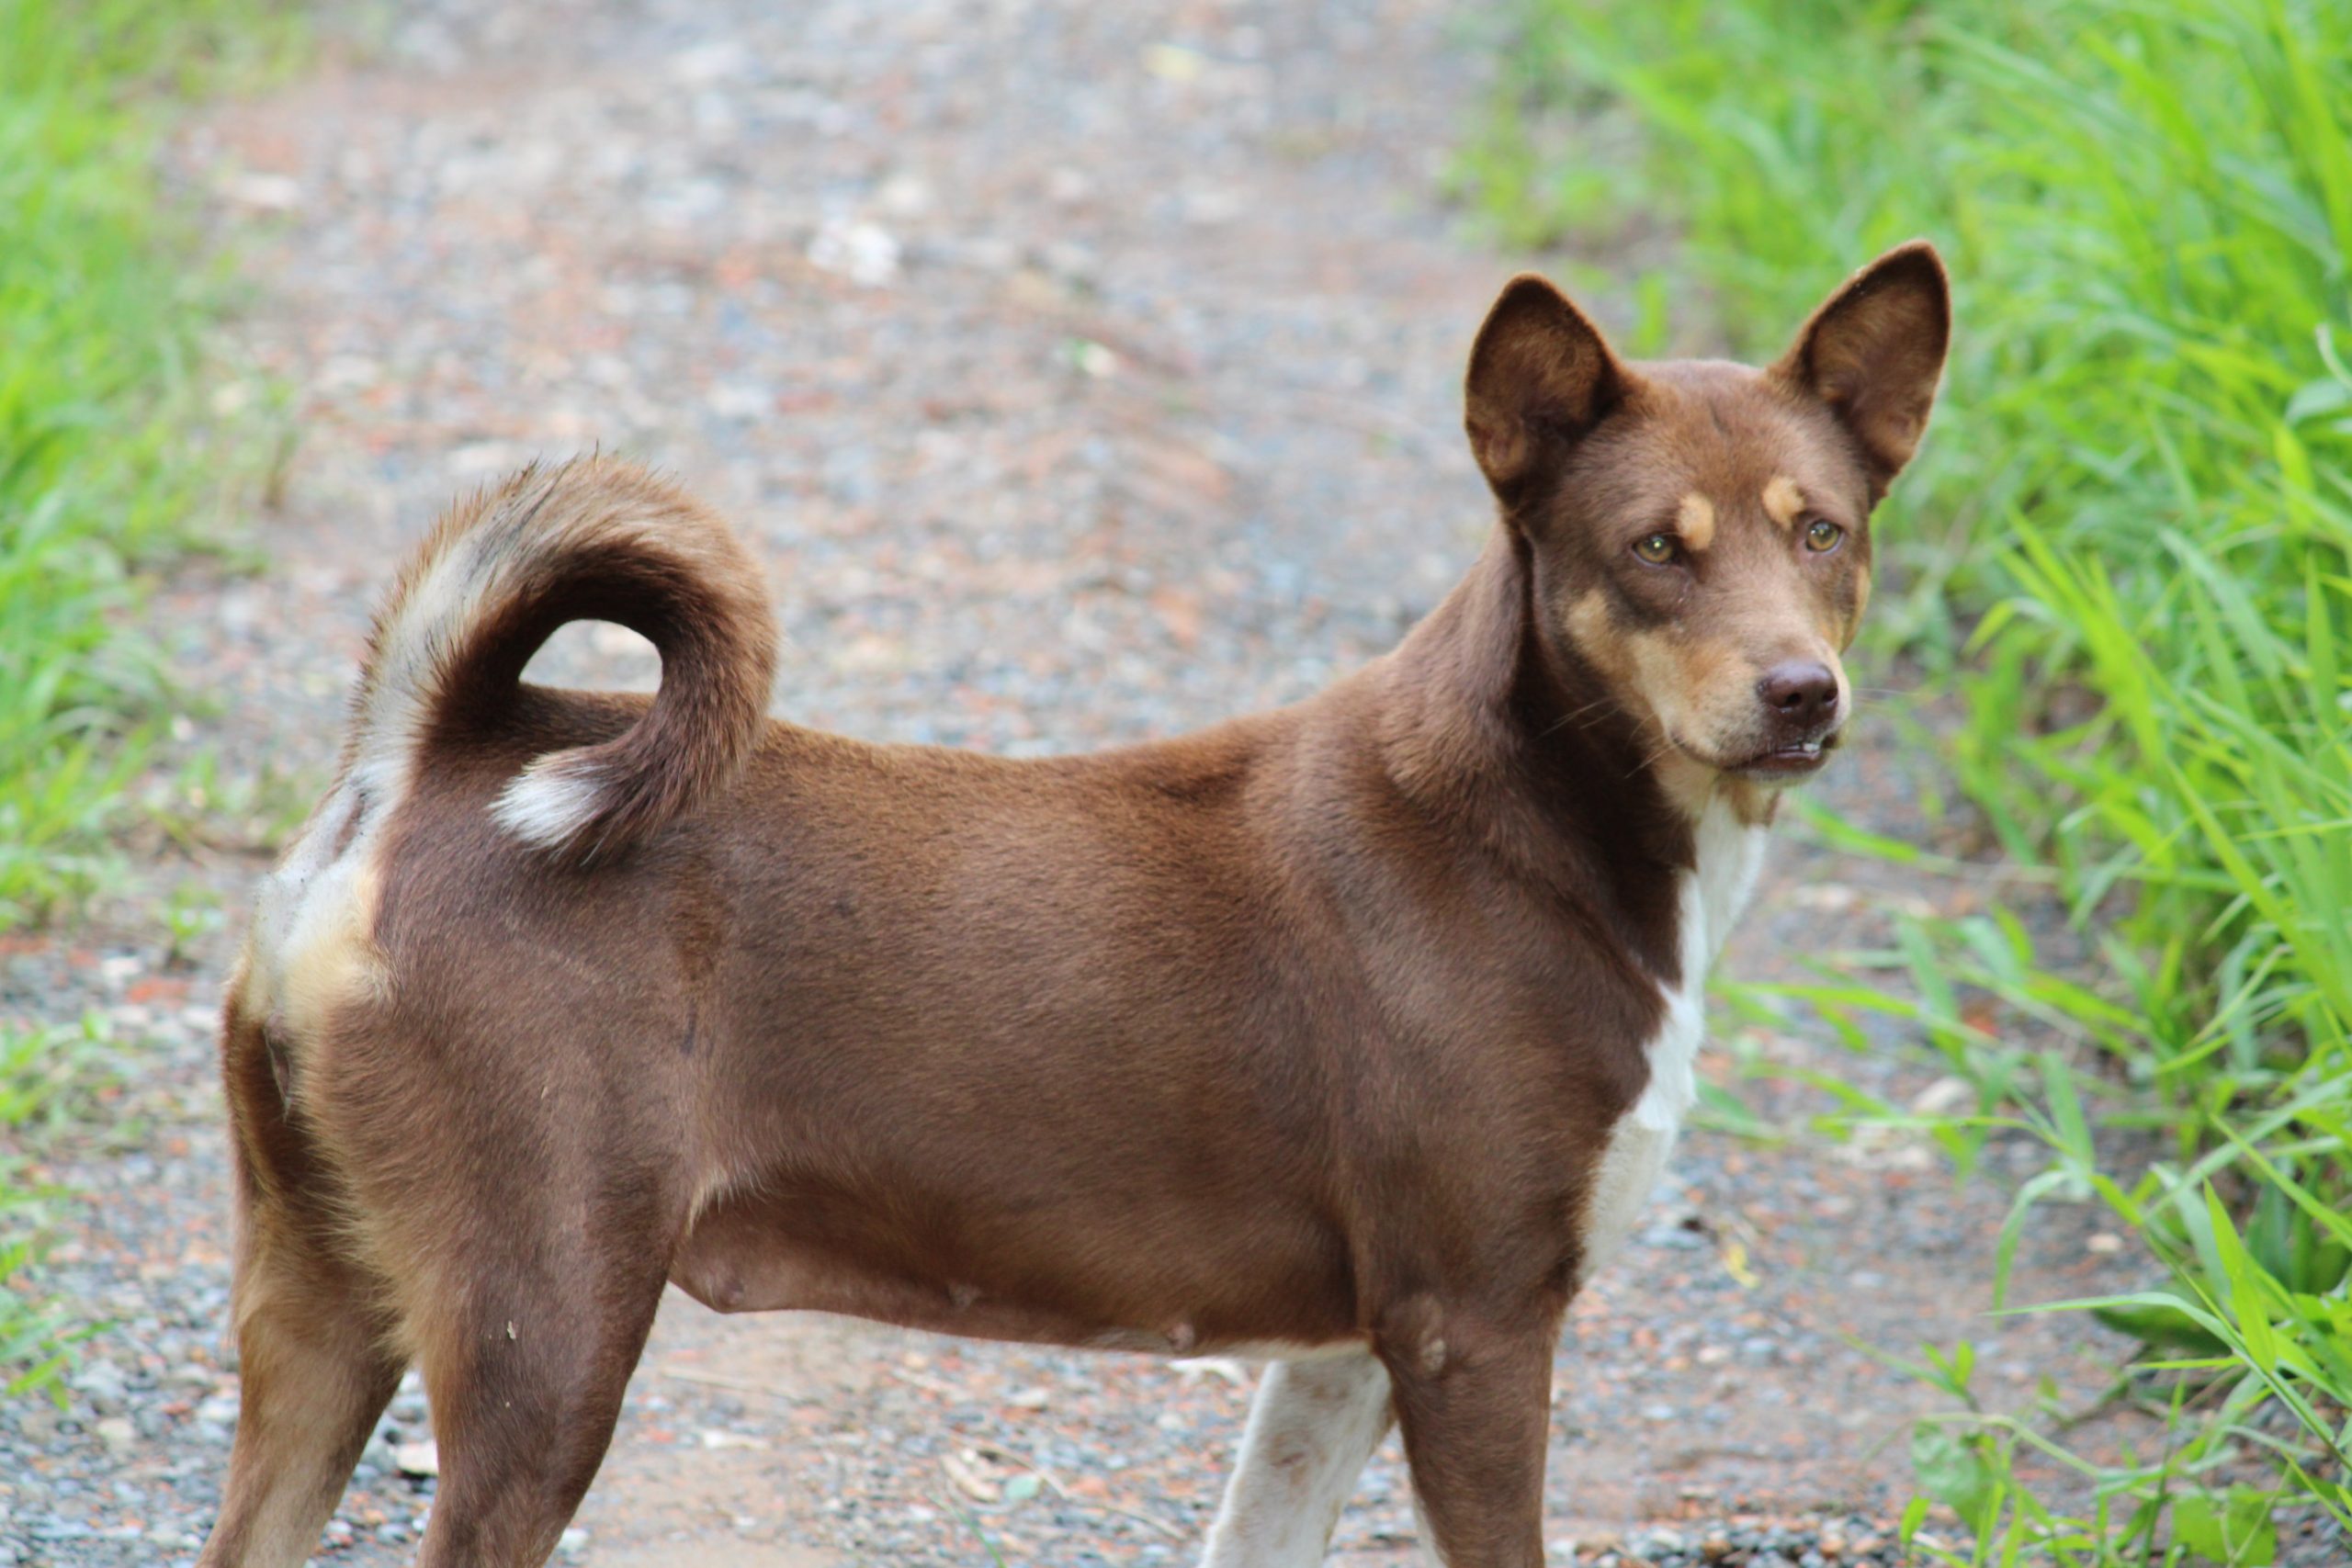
(1572, 715)
(1666, 744)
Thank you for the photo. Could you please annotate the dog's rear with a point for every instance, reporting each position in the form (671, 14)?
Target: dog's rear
(339, 1282)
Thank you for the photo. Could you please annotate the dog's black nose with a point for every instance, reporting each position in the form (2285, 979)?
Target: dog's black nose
(1800, 695)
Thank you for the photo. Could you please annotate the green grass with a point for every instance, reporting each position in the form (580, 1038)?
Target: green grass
(2128, 552)
(108, 459)
(46, 1077)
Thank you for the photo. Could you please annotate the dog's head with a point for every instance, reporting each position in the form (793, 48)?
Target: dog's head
(1699, 530)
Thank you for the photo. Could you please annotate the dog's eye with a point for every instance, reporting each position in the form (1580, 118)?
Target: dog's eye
(1823, 536)
(1655, 549)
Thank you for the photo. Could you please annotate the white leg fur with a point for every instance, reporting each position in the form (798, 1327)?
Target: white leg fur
(1312, 1427)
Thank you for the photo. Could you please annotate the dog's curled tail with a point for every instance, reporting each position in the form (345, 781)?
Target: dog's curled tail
(593, 540)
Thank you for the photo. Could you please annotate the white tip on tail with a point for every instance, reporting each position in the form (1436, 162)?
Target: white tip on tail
(547, 804)
(593, 539)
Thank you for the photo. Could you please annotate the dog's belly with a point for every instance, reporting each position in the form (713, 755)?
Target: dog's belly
(737, 1273)
(824, 1255)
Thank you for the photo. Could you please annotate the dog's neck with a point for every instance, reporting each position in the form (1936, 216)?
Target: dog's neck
(1488, 722)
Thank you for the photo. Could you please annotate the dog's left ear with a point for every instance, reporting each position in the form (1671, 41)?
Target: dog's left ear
(1875, 351)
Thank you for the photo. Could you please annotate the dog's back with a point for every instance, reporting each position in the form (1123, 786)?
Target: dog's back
(1110, 1049)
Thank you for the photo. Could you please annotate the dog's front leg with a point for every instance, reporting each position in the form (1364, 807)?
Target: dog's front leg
(1473, 1399)
(1312, 1427)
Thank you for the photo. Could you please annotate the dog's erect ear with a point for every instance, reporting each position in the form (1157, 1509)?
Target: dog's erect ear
(1541, 377)
(1874, 352)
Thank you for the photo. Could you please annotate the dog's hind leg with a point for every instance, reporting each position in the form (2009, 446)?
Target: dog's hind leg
(317, 1363)
(316, 1373)
(527, 1339)
(1312, 1427)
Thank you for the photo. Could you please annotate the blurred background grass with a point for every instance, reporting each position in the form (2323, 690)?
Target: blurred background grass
(111, 453)
(2124, 563)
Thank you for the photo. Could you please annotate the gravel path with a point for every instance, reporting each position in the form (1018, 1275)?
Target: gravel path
(1085, 373)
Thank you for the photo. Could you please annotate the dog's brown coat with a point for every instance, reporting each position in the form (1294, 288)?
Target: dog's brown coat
(1306, 1030)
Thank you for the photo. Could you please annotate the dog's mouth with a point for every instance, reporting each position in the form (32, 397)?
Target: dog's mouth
(1790, 761)
(1784, 763)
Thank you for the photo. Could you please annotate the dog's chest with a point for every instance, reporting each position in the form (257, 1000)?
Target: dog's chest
(1711, 899)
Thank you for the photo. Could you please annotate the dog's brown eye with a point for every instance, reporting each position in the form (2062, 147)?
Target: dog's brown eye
(1657, 548)
(1823, 536)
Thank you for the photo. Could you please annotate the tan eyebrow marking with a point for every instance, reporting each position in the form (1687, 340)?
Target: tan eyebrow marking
(1783, 503)
(1695, 521)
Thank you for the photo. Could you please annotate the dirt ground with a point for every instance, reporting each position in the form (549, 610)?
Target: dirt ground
(1085, 373)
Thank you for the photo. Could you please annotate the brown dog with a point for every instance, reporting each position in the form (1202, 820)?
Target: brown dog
(1349, 1035)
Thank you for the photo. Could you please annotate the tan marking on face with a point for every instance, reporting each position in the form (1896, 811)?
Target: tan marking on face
(1667, 675)
(1588, 626)
(1861, 602)
(1701, 664)
(1752, 803)
(1695, 521)
(1783, 503)
(1644, 666)
(1686, 781)
(1679, 679)
(1695, 693)
(1684, 678)
(1651, 678)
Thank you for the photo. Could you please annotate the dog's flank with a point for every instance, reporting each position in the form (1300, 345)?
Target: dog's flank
(1354, 1033)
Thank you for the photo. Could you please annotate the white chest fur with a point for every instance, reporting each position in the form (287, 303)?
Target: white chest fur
(1710, 898)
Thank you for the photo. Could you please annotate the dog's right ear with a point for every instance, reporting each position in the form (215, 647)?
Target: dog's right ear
(1541, 378)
